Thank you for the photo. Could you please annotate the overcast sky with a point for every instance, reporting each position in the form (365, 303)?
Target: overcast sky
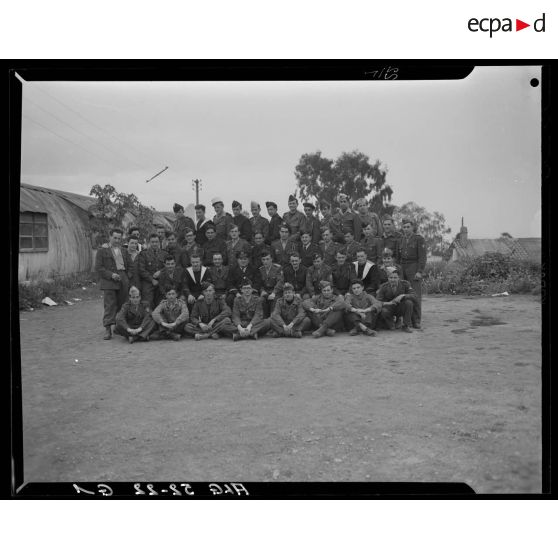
(466, 148)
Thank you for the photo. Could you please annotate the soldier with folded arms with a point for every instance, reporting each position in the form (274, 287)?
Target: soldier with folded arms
(259, 224)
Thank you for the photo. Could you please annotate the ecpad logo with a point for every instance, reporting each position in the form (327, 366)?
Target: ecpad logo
(493, 25)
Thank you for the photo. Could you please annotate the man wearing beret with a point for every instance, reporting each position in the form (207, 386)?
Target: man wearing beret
(312, 224)
(258, 223)
(288, 318)
(294, 218)
(325, 310)
(274, 222)
(201, 224)
(222, 221)
(182, 223)
(413, 260)
(242, 222)
(331, 220)
(349, 219)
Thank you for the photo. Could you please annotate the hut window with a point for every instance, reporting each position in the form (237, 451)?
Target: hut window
(33, 232)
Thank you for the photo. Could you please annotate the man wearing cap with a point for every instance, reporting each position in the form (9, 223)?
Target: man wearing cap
(342, 274)
(222, 221)
(307, 249)
(325, 310)
(220, 276)
(367, 272)
(201, 224)
(398, 299)
(391, 238)
(182, 223)
(239, 273)
(209, 316)
(195, 275)
(236, 244)
(312, 224)
(270, 283)
(413, 260)
(288, 318)
(274, 222)
(331, 220)
(373, 245)
(295, 274)
(294, 218)
(242, 222)
(362, 310)
(282, 249)
(214, 245)
(328, 248)
(247, 315)
(317, 273)
(258, 223)
(150, 263)
(349, 219)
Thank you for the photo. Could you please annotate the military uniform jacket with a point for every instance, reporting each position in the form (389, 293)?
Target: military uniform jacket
(365, 300)
(130, 316)
(373, 246)
(316, 274)
(334, 223)
(244, 227)
(105, 266)
(149, 262)
(170, 313)
(384, 272)
(370, 218)
(371, 277)
(186, 254)
(393, 242)
(217, 245)
(271, 280)
(329, 251)
(307, 253)
(257, 250)
(413, 250)
(351, 249)
(133, 269)
(176, 281)
(191, 285)
(237, 275)
(282, 254)
(342, 277)
(201, 227)
(175, 252)
(204, 312)
(245, 312)
(296, 278)
(240, 246)
(180, 226)
(320, 301)
(387, 294)
(312, 226)
(295, 221)
(286, 312)
(274, 226)
(351, 222)
(223, 225)
(220, 277)
(259, 224)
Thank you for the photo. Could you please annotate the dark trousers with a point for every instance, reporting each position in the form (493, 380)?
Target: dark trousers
(113, 299)
(277, 326)
(408, 271)
(218, 327)
(332, 320)
(147, 331)
(261, 327)
(352, 319)
(268, 306)
(404, 309)
(164, 332)
(149, 294)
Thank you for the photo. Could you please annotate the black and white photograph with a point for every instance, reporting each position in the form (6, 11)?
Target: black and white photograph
(283, 280)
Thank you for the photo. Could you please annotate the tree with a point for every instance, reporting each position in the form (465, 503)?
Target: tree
(430, 225)
(113, 209)
(322, 179)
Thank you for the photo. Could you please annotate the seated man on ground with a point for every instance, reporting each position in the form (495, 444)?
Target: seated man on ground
(209, 315)
(325, 311)
(362, 310)
(398, 299)
(288, 318)
(133, 320)
(170, 315)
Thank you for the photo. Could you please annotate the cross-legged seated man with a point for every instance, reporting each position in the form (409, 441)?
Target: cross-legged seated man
(133, 320)
(170, 315)
(398, 299)
(288, 318)
(210, 315)
(325, 311)
(362, 310)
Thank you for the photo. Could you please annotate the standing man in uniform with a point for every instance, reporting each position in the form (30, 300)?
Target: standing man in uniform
(413, 260)
(214, 245)
(111, 267)
(220, 276)
(236, 244)
(283, 248)
(258, 223)
(189, 248)
(288, 318)
(150, 263)
(349, 219)
(307, 249)
(329, 247)
(201, 224)
(351, 246)
(312, 224)
(294, 218)
(222, 221)
(242, 222)
(391, 238)
(342, 274)
(182, 223)
(238, 273)
(270, 283)
(274, 222)
(316, 274)
(373, 245)
(332, 221)
(173, 249)
(295, 274)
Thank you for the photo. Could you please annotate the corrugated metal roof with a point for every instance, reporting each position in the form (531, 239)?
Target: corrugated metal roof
(83, 202)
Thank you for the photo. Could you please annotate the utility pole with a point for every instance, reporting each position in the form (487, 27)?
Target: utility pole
(197, 186)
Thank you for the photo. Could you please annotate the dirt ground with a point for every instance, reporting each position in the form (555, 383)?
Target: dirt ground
(459, 401)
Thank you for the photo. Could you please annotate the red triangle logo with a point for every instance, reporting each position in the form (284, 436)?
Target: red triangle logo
(519, 25)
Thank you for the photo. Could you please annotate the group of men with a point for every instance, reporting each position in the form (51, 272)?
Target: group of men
(245, 277)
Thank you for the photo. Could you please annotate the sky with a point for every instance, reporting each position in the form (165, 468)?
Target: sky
(466, 148)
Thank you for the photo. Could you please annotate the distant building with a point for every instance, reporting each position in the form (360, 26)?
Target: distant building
(516, 248)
